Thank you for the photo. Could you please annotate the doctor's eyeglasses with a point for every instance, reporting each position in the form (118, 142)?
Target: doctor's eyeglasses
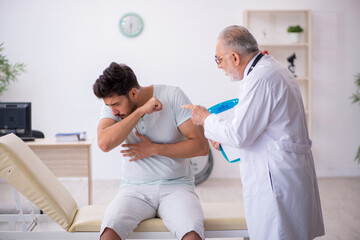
(218, 59)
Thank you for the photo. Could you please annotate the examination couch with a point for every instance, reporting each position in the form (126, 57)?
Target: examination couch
(21, 168)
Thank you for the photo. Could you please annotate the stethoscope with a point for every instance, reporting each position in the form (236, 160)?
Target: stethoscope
(255, 62)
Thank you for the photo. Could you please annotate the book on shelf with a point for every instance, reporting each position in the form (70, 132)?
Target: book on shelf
(70, 137)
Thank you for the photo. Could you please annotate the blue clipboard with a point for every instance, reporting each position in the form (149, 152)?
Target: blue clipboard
(230, 154)
(223, 106)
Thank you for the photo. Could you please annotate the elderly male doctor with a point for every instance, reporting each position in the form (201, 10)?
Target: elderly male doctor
(281, 196)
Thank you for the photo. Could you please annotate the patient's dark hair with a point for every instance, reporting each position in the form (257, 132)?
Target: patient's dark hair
(117, 78)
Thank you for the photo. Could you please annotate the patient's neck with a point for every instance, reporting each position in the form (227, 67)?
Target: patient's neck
(145, 93)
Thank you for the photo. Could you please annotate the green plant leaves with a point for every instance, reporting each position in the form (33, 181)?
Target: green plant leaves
(8, 72)
(356, 96)
(296, 28)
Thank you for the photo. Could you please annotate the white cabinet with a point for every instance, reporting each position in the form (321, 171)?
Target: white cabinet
(269, 27)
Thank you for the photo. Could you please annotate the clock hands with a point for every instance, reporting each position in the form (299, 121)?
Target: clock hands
(131, 25)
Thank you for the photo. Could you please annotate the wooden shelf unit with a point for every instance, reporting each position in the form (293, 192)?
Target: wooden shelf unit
(269, 27)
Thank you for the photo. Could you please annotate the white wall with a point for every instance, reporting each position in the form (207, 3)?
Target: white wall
(67, 44)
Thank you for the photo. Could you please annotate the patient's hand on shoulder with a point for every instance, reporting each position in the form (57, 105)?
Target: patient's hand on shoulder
(153, 105)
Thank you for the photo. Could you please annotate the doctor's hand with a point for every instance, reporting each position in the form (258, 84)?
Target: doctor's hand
(199, 113)
(216, 145)
(145, 148)
(153, 105)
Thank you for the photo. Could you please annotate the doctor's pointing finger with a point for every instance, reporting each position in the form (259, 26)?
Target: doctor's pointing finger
(199, 113)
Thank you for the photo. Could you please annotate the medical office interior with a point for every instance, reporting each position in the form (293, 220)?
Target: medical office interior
(65, 46)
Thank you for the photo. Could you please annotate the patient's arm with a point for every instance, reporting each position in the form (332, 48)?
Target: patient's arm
(195, 145)
(111, 133)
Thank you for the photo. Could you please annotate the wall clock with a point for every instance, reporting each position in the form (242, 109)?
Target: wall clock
(131, 25)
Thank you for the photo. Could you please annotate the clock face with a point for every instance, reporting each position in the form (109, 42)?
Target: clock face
(131, 24)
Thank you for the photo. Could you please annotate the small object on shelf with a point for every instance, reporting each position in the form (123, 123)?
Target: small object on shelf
(291, 66)
(70, 137)
(264, 39)
(294, 37)
(294, 33)
(297, 29)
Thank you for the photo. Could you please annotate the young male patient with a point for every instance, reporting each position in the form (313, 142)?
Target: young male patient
(159, 137)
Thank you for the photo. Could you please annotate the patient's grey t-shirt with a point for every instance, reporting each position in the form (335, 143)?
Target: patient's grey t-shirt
(159, 127)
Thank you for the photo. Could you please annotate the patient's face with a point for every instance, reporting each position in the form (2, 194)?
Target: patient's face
(121, 106)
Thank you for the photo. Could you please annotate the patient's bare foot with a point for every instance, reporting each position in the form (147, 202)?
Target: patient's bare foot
(109, 234)
(191, 236)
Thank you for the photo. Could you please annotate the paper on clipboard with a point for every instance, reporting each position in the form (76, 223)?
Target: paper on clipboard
(231, 154)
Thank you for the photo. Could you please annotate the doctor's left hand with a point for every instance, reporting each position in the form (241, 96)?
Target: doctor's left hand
(216, 145)
(199, 113)
(143, 149)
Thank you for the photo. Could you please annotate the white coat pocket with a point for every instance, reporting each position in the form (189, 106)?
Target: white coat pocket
(288, 169)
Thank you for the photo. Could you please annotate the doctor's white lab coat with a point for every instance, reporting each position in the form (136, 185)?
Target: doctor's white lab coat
(280, 191)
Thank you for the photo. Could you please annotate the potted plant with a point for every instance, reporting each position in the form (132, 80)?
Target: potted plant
(8, 72)
(356, 99)
(294, 33)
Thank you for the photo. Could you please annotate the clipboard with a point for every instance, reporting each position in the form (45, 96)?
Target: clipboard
(231, 154)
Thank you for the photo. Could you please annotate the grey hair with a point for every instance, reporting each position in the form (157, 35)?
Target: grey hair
(238, 39)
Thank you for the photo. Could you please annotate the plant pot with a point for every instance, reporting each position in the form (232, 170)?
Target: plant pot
(294, 37)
